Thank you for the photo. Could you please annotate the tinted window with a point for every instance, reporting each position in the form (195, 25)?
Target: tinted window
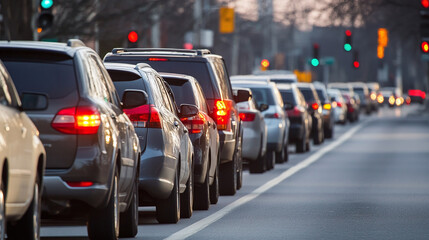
(126, 80)
(182, 89)
(263, 96)
(282, 80)
(288, 96)
(321, 94)
(56, 79)
(308, 94)
(197, 70)
(223, 78)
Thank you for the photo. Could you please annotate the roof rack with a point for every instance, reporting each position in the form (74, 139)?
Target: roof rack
(141, 65)
(198, 52)
(75, 43)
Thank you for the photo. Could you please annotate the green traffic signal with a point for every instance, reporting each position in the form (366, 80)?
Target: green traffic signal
(315, 62)
(45, 4)
(348, 47)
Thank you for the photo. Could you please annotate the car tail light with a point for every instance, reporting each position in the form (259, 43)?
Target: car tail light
(146, 116)
(158, 59)
(77, 120)
(80, 184)
(373, 96)
(247, 117)
(315, 106)
(326, 106)
(222, 113)
(295, 112)
(194, 124)
(274, 115)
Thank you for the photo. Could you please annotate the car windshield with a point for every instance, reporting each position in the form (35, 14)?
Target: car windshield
(263, 96)
(308, 94)
(288, 96)
(182, 90)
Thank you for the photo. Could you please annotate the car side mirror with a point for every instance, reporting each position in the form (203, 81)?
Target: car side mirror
(134, 98)
(188, 110)
(288, 106)
(242, 96)
(34, 101)
(263, 107)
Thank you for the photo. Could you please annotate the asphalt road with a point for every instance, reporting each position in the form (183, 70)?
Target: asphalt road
(371, 181)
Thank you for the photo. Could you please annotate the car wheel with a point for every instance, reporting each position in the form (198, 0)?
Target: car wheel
(330, 133)
(307, 145)
(129, 220)
(301, 144)
(270, 160)
(28, 227)
(258, 165)
(214, 188)
(286, 155)
(2, 212)
(317, 139)
(202, 193)
(240, 164)
(280, 156)
(103, 223)
(187, 197)
(228, 177)
(168, 210)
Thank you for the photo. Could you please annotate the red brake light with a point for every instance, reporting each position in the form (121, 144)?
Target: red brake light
(194, 124)
(222, 112)
(295, 112)
(339, 104)
(158, 59)
(247, 117)
(77, 120)
(146, 116)
(80, 184)
(315, 106)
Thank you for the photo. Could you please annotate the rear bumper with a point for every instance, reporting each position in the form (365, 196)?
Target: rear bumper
(251, 143)
(275, 134)
(227, 146)
(296, 132)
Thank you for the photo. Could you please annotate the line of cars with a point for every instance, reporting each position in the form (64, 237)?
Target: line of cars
(143, 127)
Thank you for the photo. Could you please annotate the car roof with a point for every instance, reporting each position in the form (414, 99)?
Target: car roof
(258, 84)
(250, 78)
(304, 84)
(177, 75)
(126, 66)
(70, 48)
(284, 76)
(163, 52)
(285, 86)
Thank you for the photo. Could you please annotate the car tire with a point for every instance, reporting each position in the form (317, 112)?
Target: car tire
(2, 211)
(202, 194)
(317, 139)
(330, 133)
(214, 188)
(258, 165)
(270, 160)
(301, 145)
(187, 197)
(103, 223)
(228, 177)
(28, 227)
(168, 210)
(307, 145)
(129, 220)
(280, 156)
(240, 165)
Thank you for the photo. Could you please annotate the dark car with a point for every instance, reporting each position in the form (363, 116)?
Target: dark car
(361, 89)
(328, 118)
(210, 71)
(166, 178)
(315, 109)
(204, 136)
(92, 149)
(299, 117)
(352, 107)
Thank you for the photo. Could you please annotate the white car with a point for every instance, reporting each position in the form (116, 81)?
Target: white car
(22, 162)
(254, 133)
(275, 117)
(339, 106)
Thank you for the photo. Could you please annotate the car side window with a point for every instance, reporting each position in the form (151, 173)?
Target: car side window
(222, 75)
(202, 99)
(107, 82)
(278, 96)
(157, 96)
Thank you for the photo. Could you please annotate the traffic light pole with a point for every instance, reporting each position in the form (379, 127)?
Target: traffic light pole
(34, 20)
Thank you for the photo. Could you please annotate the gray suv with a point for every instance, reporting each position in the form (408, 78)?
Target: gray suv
(92, 149)
(166, 163)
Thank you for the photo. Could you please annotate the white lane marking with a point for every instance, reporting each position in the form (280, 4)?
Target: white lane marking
(205, 222)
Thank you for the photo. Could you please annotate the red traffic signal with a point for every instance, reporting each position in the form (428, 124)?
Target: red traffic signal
(356, 64)
(133, 37)
(425, 3)
(265, 63)
(349, 33)
(425, 47)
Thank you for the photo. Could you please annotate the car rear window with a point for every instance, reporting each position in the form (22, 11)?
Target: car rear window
(322, 95)
(263, 96)
(308, 94)
(197, 70)
(182, 90)
(56, 79)
(288, 96)
(283, 80)
(126, 80)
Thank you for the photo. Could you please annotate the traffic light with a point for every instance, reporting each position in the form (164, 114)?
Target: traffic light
(133, 37)
(315, 60)
(348, 41)
(356, 63)
(46, 18)
(383, 40)
(424, 25)
(265, 64)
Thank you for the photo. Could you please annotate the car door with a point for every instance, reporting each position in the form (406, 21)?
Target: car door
(18, 136)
